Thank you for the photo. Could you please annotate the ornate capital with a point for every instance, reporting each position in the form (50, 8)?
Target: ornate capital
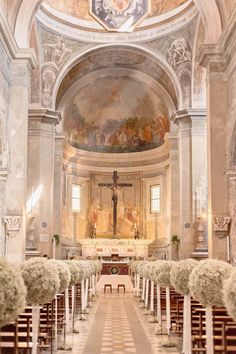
(221, 225)
(12, 224)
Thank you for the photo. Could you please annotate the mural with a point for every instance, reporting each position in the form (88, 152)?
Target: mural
(80, 8)
(116, 114)
(129, 211)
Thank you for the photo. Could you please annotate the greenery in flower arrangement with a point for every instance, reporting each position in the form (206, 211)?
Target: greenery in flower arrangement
(56, 237)
(175, 240)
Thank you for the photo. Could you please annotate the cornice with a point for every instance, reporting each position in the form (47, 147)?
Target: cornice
(188, 115)
(25, 56)
(43, 115)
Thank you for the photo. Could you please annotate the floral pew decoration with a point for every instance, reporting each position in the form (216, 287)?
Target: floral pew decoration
(151, 276)
(206, 286)
(64, 277)
(140, 268)
(179, 278)
(42, 282)
(12, 292)
(229, 293)
(162, 278)
(134, 270)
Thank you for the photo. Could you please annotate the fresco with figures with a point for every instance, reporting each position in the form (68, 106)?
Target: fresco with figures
(116, 114)
(80, 8)
(129, 207)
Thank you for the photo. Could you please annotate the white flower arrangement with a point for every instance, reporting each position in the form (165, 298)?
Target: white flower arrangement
(84, 268)
(162, 273)
(74, 272)
(41, 279)
(134, 266)
(12, 292)
(179, 275)
(64, 274)
(98, 265)
(229, 294)
(206, 281)
(140, 268)
(151, 270)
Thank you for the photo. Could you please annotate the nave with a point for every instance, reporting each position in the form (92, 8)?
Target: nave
(117, 325)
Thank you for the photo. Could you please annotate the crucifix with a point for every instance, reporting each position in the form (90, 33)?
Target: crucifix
(114, 186)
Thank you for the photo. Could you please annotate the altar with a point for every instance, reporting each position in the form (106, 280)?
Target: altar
(101, 247)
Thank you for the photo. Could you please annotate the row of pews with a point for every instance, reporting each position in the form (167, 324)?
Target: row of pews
(16, 337)
(224, 327)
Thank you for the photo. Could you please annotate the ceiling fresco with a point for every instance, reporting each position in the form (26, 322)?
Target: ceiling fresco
(116, 114)
(80, 8)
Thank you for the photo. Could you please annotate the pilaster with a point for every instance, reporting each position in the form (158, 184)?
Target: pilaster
(192, 177)
(216, 59)
(40, 182)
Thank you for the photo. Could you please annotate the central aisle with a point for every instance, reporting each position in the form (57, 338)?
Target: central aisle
(117, 325)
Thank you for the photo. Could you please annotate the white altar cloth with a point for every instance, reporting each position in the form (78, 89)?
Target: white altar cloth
(122, 247)
(114, 280)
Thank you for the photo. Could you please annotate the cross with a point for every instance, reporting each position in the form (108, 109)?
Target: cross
(114, 186)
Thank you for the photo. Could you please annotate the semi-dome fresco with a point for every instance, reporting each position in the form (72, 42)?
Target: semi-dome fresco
(80, 8)
(116, 114)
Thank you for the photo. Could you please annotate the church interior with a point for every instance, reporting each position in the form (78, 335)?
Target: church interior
(117, 176)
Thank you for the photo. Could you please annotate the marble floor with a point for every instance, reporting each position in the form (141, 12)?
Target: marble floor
(116, 325)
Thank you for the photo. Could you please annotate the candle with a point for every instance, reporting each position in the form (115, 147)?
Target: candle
(135, 226)
(95, 225)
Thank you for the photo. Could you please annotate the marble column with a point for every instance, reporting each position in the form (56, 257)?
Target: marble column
(16, 180)
(40, 183)
(192, 174)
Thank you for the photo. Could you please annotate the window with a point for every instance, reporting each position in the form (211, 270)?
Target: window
(76, 198)
(155, 198)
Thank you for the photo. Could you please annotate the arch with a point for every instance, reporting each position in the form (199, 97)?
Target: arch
(211, 18)
(24, 20)
(209, 11)
(79, 56)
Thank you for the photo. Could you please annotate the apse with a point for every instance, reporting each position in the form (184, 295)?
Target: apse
(116, 114)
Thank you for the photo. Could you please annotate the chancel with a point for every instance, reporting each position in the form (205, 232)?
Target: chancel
(117, 176)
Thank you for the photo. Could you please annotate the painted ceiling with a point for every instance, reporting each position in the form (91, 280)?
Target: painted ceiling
(80, 8)
(116, 114)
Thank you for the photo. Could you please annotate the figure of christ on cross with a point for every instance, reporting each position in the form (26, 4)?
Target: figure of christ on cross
(114, 186)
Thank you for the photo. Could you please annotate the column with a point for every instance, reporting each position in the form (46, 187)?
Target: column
(16, 180)
(199, 181)
(40, 183)
(192, 157)
(183, 121)
(216, 83)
